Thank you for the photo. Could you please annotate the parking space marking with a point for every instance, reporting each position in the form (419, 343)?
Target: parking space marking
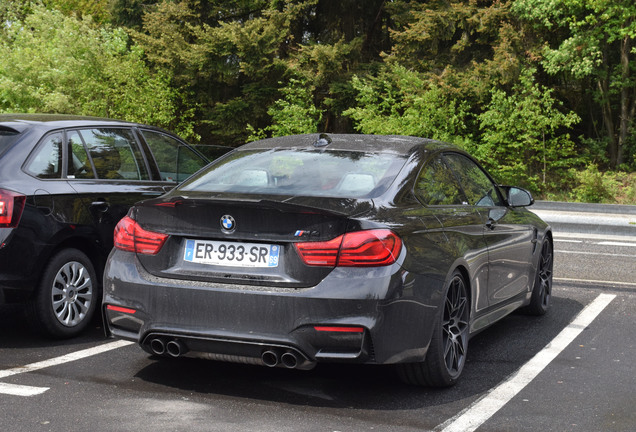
(613, 243)
(596, 282)
(484, 408)
(78, 355)
(21, 390)
(595, 253)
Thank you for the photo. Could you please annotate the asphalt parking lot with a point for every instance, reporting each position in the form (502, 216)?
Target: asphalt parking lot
(571, 370)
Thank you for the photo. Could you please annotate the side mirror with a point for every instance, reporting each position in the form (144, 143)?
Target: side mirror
(517, 197)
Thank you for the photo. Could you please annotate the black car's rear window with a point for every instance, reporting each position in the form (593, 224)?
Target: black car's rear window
(351, 174)
(7, 137)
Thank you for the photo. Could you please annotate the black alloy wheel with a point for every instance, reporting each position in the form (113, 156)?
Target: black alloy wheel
(542, 290)
(447, 351)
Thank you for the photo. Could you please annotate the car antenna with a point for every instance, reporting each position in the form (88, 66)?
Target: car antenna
(323, 140)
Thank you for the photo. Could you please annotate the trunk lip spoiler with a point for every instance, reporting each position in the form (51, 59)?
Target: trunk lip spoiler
(284, 205)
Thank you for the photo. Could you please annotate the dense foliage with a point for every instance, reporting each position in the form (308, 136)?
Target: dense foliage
(542, 91)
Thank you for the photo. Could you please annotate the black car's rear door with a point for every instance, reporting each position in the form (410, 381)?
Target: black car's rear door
(107, 169)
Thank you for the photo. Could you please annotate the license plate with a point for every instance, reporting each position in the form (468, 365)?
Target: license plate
(232, 254)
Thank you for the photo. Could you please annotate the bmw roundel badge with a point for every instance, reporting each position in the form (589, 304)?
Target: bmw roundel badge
(227, 223)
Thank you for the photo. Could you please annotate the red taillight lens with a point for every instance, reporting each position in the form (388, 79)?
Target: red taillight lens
(320, 253)
(11, 207)
(369, 248)
(131, 237)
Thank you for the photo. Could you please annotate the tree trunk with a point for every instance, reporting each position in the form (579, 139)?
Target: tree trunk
(608, 121)
(627, 101)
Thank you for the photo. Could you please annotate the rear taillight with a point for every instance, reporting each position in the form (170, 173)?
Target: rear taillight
(131, 237)
(369, 248)
(11, 207)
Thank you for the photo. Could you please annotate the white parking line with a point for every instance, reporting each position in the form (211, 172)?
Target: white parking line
(612, 243)
(595, 253)
(484, 408)
(599, 282)
(594, 237)
(21, 390)
(13, 389)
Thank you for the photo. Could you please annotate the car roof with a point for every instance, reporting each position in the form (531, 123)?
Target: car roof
(21, 122)
(397, 144)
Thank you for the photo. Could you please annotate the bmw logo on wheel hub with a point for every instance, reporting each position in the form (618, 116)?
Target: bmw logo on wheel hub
(228, 224)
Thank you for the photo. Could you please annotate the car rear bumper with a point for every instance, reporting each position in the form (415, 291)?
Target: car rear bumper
(371, 315)
(18, 265)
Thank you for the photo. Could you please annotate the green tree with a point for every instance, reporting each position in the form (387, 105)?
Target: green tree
(225, 58)
(53, 63)
(234, 60)
(294, 114)
(595, 43)
(403, 102)
(97, 9)
(524, 136)
(466, 46)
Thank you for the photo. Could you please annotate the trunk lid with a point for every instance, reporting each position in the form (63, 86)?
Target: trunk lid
(243, 239)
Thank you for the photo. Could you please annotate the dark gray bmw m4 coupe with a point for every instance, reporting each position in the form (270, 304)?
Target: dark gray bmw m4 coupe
(299, 250)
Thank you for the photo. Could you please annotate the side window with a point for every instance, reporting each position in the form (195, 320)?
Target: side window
(176, 161)
(46, 161)
(479, 189)
(437, 185)
(115, 154)
(79, 165)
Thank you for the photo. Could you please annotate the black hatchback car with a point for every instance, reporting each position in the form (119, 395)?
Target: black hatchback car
(65, 182)
(344, 248)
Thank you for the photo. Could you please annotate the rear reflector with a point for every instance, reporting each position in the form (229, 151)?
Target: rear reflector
(339, 329)
(131, 237)
(11, 207)
(370, 248)
(120, 309)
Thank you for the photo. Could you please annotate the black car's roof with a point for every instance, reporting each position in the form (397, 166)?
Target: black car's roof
(20, 122)
(353, 142)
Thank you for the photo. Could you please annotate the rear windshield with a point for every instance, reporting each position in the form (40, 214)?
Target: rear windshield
(7, 137)
(351, 174)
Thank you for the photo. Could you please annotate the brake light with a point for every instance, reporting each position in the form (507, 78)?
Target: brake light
(11, 207)
(369, 248)
(131, 237)
(320, 253)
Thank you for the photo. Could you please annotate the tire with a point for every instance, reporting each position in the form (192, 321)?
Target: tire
(542, 289)
(67, 295)
(447, 351)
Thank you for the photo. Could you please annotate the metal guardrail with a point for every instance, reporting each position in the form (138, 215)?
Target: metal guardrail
(602, 219)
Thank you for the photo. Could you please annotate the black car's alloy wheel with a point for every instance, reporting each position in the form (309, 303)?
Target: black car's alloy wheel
(446, 354)
(67, 295)
(542, 290)
(455, 327)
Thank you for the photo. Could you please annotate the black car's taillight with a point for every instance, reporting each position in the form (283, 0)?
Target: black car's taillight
(131, 237)
(11, 207)
(368, 248)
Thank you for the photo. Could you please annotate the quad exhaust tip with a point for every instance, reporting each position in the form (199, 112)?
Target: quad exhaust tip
(158, 346)
(174, 347)
(289, 359)
(270, 357)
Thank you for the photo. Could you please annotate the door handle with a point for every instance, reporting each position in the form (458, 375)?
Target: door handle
(101, 206)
